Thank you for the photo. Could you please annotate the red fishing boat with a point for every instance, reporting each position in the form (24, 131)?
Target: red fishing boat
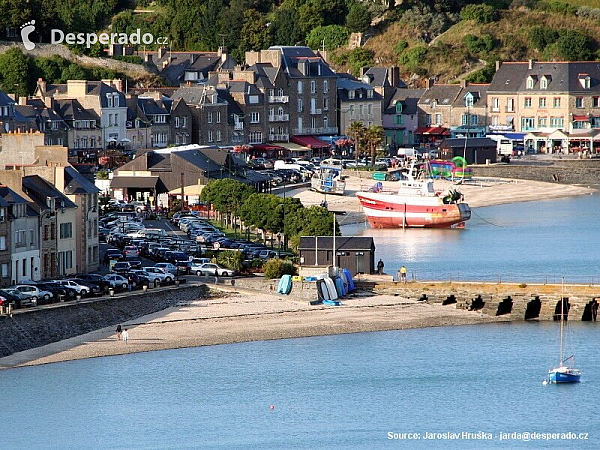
(415, 204)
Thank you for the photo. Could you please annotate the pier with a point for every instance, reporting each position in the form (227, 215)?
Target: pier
(515, 301)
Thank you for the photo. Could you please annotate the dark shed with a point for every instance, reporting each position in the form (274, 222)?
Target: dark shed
(477, 150)
(355, 253)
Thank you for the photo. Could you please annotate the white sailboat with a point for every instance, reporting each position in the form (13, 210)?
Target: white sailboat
(565, 372)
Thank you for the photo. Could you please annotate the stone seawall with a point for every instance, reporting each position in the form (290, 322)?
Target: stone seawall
(584, 172)
(31, 329)
(300, 290)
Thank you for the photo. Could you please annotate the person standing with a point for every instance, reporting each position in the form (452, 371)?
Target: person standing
(403, 274)
(594, 310)
(380, 266)
(125, 335)
(119, 331)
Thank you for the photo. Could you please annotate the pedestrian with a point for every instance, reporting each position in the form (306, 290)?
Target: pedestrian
(594, 310)
(380, 266)
(125, 335)
(129, 283)
(403, 274)
(119, 332)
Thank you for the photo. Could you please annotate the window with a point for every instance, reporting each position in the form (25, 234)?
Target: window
(556, 102)
(465, 119)
(4, 270)
(300, 107)
(2, 242)
(595, 102)
(474, 119)
(579, 102)
(527, 103)
(325, 122)
(438, 119)
(31, 238)
(542, 122)
(218, 116)
(46, 235)
(184, 122)
(557, 122)
(109, 100)
(66, 230)
(398, 107)
(209, 118)
(351, 95)
(510, 105)
(218, 134)
(351, 111)
(254, 117)
(210, 136)
(313, 86)
(255, 137)
(325, 103)
(369, 109)
(300, 87)
(398, 119)
(427, 119)
(325, 86)
(544, 83)
(469, 100)
(527, 123)
(542, 102)
(530, 82)
(495, 104)
(110, 120)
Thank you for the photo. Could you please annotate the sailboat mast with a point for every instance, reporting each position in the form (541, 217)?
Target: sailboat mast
(562, 323)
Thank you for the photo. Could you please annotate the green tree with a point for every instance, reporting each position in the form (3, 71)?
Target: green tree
(413, 58)
(227, 196)
(333, 36)
(360, 57)
(14, 72)
(356, 132)
(231, 260)
(540, 37)
(374, 137)
(359, 18)
(479, 13)
(573, 45)
(255, 33)
(286, 31)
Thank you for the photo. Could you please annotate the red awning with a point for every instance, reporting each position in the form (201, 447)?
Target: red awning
(267, 147)
(439, 131)
(310, 142)
(581, 118)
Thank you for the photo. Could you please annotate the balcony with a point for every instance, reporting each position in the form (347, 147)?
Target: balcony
(322, 130)
(238, 126)
(279, 98)
(495, 109)
(316, 111)
(279, 118)
(279, 137)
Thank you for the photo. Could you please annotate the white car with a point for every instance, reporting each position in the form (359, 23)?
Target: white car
(159, 273)
(153, 278)
(33, 293)
(79, 288)
(167, 267)
(213, 269)
(116, 281)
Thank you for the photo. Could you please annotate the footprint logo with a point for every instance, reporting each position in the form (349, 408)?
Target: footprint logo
(26, 29)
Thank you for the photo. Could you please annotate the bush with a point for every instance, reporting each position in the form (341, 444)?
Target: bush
(479, 13)
(484, 75)
(558, 7)
(413, 57)
(572, 45)
(359, 18)
(401, 46)
(334, 36)
(589, 13)
(479, 45)
(231, 260)
(276, 268)
(540, 37)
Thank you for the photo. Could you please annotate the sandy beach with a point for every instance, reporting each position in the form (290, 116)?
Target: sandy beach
(238, 315)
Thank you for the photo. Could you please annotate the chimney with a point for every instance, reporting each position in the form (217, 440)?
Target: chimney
(530, 64)
(363, 70)
(393, 76)
(498, 64)
(429, 83)
(41, 84)
(162, 51)
(148, 58)
(22, 101)
(463, 83)
(193, 58)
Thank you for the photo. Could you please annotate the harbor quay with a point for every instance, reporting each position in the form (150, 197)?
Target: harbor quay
(515, 301)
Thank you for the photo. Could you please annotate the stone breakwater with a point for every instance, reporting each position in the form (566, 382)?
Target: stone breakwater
(584, 172)
(31, 329)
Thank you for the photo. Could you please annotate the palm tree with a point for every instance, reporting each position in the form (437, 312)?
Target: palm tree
(373, 137)
(356, 132)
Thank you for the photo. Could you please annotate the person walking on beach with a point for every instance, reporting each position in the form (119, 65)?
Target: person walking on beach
(125, 335)
(403, 274)
(380, 266)
(119, 331)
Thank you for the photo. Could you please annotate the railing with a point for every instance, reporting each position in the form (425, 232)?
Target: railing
(279, 137)
(316, 111)
(238, 126)
(322, 130)
(279, 118)
(279, 98)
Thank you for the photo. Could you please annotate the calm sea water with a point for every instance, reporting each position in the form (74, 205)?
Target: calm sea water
(348, 391)
(332, 392)
(531, 241)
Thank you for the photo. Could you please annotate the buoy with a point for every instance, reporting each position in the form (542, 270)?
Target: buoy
(272, 407)
(545, 382)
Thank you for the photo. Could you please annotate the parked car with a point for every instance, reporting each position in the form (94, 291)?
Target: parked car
(168, 267)
(135, 263)
(11, 296)
(94, 289)
(183, 267)
(57, 290)
(165, 277)
(121, 267)
(33, 295)
(215, 269)
(116, 281)
(131, 251)
(81, 289)
(94, 278)
(137, 280)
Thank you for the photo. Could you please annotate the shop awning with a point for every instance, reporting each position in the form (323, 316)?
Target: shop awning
(292, 147)
(581, 118)
(193, 189)
(134, 182)
(310, 142)
(438, 131)
(266, 147)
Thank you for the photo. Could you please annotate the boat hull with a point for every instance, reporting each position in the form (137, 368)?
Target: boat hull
(564, 375)
(391, 211)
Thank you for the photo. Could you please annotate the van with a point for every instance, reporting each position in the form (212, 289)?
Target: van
(279, 164)
(406, 152)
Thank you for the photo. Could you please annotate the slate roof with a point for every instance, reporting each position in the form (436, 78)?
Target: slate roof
(292, 56)
(348, 243)
(39, 189)
(347, 84)
(479, 93)
(75, 183)
(193, 94)
(10, 196)
(409, 98)
(72, 110)
(444, 94)
(150, 107)
(5, 100)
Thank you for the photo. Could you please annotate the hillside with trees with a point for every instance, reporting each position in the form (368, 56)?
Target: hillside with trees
(445, 39)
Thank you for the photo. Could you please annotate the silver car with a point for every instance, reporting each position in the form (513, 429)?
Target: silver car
(213, 269)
